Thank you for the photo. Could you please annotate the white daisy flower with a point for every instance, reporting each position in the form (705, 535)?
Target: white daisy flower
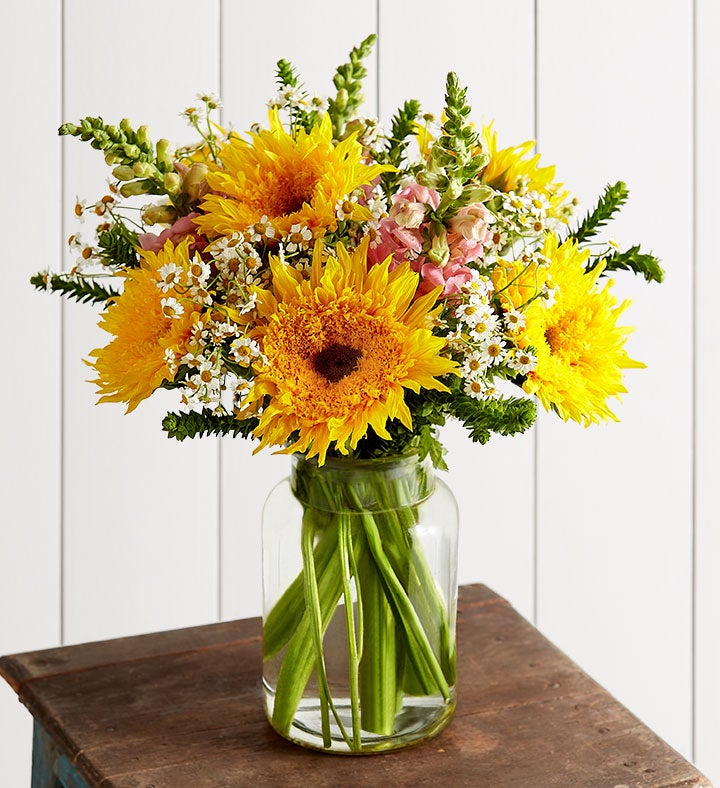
(171, 307)
(473, 365)
(492, 351)
(244, 351)
(170, 275)
(514, 320)
(521, 361)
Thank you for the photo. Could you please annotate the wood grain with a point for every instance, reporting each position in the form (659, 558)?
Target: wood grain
(184, 708)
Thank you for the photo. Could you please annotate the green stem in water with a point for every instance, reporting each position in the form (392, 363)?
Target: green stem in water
(420, 650)
(345, 551)
(288, 611)
(312, 600)
(378, 677)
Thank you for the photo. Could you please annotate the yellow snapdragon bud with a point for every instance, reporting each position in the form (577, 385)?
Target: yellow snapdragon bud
(439, 250)
(133, 188)
(172, 182)
(142, 169)
(194, 180)
(159, 214)
(162, 152)
(143, 137)
(124, 173)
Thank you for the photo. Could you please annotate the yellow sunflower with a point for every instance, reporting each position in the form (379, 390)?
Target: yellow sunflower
(513, 169)
(580, 347)
(340, 350)
(516, 282)
(291, 180)
(134, 364)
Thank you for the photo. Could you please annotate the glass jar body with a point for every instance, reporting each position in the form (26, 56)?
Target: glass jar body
(359, 604)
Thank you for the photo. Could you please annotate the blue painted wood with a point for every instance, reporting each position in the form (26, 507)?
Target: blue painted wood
(50, 768)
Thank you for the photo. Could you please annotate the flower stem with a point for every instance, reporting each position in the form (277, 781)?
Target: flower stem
(345, 551)
(378, 669)
(312, 600)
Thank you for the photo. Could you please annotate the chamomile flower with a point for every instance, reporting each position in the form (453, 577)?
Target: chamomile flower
(486, 326)
(481, 389)
(244, 351)
(298, 239)
(514, 321)
(492, 351)
(261, 231)
(172, 308)
(474, 365)
(170, 276)
(521, 361)
(475, 310)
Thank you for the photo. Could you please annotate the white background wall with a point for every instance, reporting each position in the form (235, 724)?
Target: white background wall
(607, 538)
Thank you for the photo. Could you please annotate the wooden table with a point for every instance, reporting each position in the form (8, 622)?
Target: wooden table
(183, 709)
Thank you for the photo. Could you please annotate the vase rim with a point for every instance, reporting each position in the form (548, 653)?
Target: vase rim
(336, 463)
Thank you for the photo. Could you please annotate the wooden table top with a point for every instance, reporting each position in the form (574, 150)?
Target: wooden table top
(183, 709)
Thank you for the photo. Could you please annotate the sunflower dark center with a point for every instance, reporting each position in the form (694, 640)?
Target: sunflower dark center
(336, 362)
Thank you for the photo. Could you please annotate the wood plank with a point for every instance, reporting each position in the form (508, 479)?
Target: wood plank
(707, 384)
(496, 540)
(526, 716)
(316, 39)
(615, 502)
(141, 511)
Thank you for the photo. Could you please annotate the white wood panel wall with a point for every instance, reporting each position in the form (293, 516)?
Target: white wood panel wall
(607, 537)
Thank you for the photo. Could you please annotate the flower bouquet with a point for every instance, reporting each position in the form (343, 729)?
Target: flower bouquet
(337, 291)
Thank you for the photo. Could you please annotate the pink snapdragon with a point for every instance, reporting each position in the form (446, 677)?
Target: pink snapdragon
(407, 231)
(177, 231)
(400, 234)
(470, 233)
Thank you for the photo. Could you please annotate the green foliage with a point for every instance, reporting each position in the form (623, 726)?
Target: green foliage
(427, 416)
(348, 81)
(609, 203)
(504, 416)
(285, 74)
(402, 128)
(137, 160)
(117, 246)
(287, 77)
(75, 286)
(193, 424)
(633, 259)
(455, 160)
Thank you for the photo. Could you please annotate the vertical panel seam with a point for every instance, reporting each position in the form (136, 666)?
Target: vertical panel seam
(219, 490)
(694, 203)
(377, 59)
(536, 512)
(61, 333)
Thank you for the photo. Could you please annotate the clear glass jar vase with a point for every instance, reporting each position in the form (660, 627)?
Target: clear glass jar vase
(360, 602)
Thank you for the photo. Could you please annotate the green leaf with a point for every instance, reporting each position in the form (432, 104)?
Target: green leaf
(117, 246)
(286, 75)
(194, 424)
(401, 130)
(633, 259)
(504, 416)
(75, 286)
(609, 203)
